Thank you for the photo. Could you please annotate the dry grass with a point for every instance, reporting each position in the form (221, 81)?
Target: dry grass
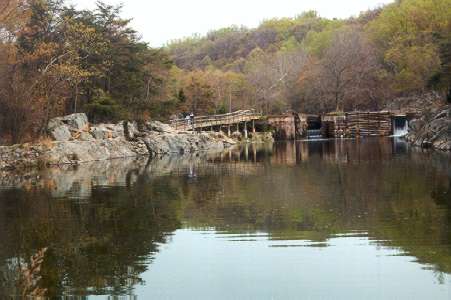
(45, 141)
(30, 277)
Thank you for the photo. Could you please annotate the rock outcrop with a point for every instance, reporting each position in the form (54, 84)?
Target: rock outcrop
(261, 137)
(21, 156)
(63, 128)
(75, 141)
(432, 130)
(180, 143)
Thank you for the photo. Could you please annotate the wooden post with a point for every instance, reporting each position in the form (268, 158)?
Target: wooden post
(192, 124)
(246, 152)
(254, 152)
(245, 129)
(358, 125)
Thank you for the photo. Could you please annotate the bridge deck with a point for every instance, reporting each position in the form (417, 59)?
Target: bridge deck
(217, 120)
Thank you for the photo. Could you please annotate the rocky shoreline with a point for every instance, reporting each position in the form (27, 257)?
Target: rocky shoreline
(74, 141)
(432, 130)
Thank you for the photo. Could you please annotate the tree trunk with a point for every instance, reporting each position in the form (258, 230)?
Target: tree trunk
(76, 98)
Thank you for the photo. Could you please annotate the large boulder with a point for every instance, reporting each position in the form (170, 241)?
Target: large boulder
(160, 127)
(75, 122)
(60, 133)
(185, 142)
(85, 136)
(61, 128)
(416, 125)
(117, 130)
(432, 130)
(107, 131)
(75, 152)
(100, 133)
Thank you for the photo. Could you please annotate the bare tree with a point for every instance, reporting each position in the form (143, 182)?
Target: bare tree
(347, 69)
(272, 78)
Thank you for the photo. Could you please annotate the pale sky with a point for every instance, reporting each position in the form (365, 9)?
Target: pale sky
(159, 21)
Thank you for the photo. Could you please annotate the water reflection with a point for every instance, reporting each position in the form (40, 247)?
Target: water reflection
(108, 227)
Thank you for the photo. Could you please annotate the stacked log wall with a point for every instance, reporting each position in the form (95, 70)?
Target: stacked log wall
(368, 124)
(355, 124)
(334, 126)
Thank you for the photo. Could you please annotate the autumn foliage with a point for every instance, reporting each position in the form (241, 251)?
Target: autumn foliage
(55, 59)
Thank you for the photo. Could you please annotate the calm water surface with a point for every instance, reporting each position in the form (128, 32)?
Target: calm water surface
(318, 220)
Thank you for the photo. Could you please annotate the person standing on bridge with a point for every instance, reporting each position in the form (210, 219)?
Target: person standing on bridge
(188, 120)
(191, 118)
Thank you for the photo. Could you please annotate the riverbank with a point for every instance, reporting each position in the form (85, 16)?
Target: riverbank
(432, 129)
(73, 140)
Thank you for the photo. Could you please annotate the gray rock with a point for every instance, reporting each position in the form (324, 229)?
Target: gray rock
(117, 130)
(432, 130)
(86, 136)
(75, 143)
(185, 142)
(76, 121)
(160, 127)
(75, 152)
(60, 128)
(60, 133)
(416, 125)
(100, 133)
(132, 129)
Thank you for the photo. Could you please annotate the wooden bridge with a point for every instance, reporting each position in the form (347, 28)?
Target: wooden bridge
(292, 125)
(218, 121)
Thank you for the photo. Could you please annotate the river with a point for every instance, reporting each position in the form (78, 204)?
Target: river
(343, 219)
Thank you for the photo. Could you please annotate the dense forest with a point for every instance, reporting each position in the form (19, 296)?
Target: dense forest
(56, 59)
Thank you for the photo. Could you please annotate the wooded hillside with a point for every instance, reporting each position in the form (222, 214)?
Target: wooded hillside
(55, 60)
(314, 64)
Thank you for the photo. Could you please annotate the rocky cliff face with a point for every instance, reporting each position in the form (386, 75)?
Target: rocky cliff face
(75, 141)
(433, 129)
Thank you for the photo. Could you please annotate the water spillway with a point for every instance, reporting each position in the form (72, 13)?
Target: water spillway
(314, 125)
(314, 134)
(400, 126)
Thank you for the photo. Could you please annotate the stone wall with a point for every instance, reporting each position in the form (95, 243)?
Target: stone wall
(284, 126)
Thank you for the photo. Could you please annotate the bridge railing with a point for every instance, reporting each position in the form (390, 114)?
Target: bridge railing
(213, 120)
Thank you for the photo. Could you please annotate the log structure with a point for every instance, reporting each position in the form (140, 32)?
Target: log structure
(334, 126)
(292, 125)
(355, 124)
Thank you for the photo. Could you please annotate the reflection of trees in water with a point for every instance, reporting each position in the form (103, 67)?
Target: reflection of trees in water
(103, 244)
(364, 187)
(295, 191)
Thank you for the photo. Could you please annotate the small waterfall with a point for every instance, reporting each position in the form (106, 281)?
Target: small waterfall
(400, 126)
(314, 134)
